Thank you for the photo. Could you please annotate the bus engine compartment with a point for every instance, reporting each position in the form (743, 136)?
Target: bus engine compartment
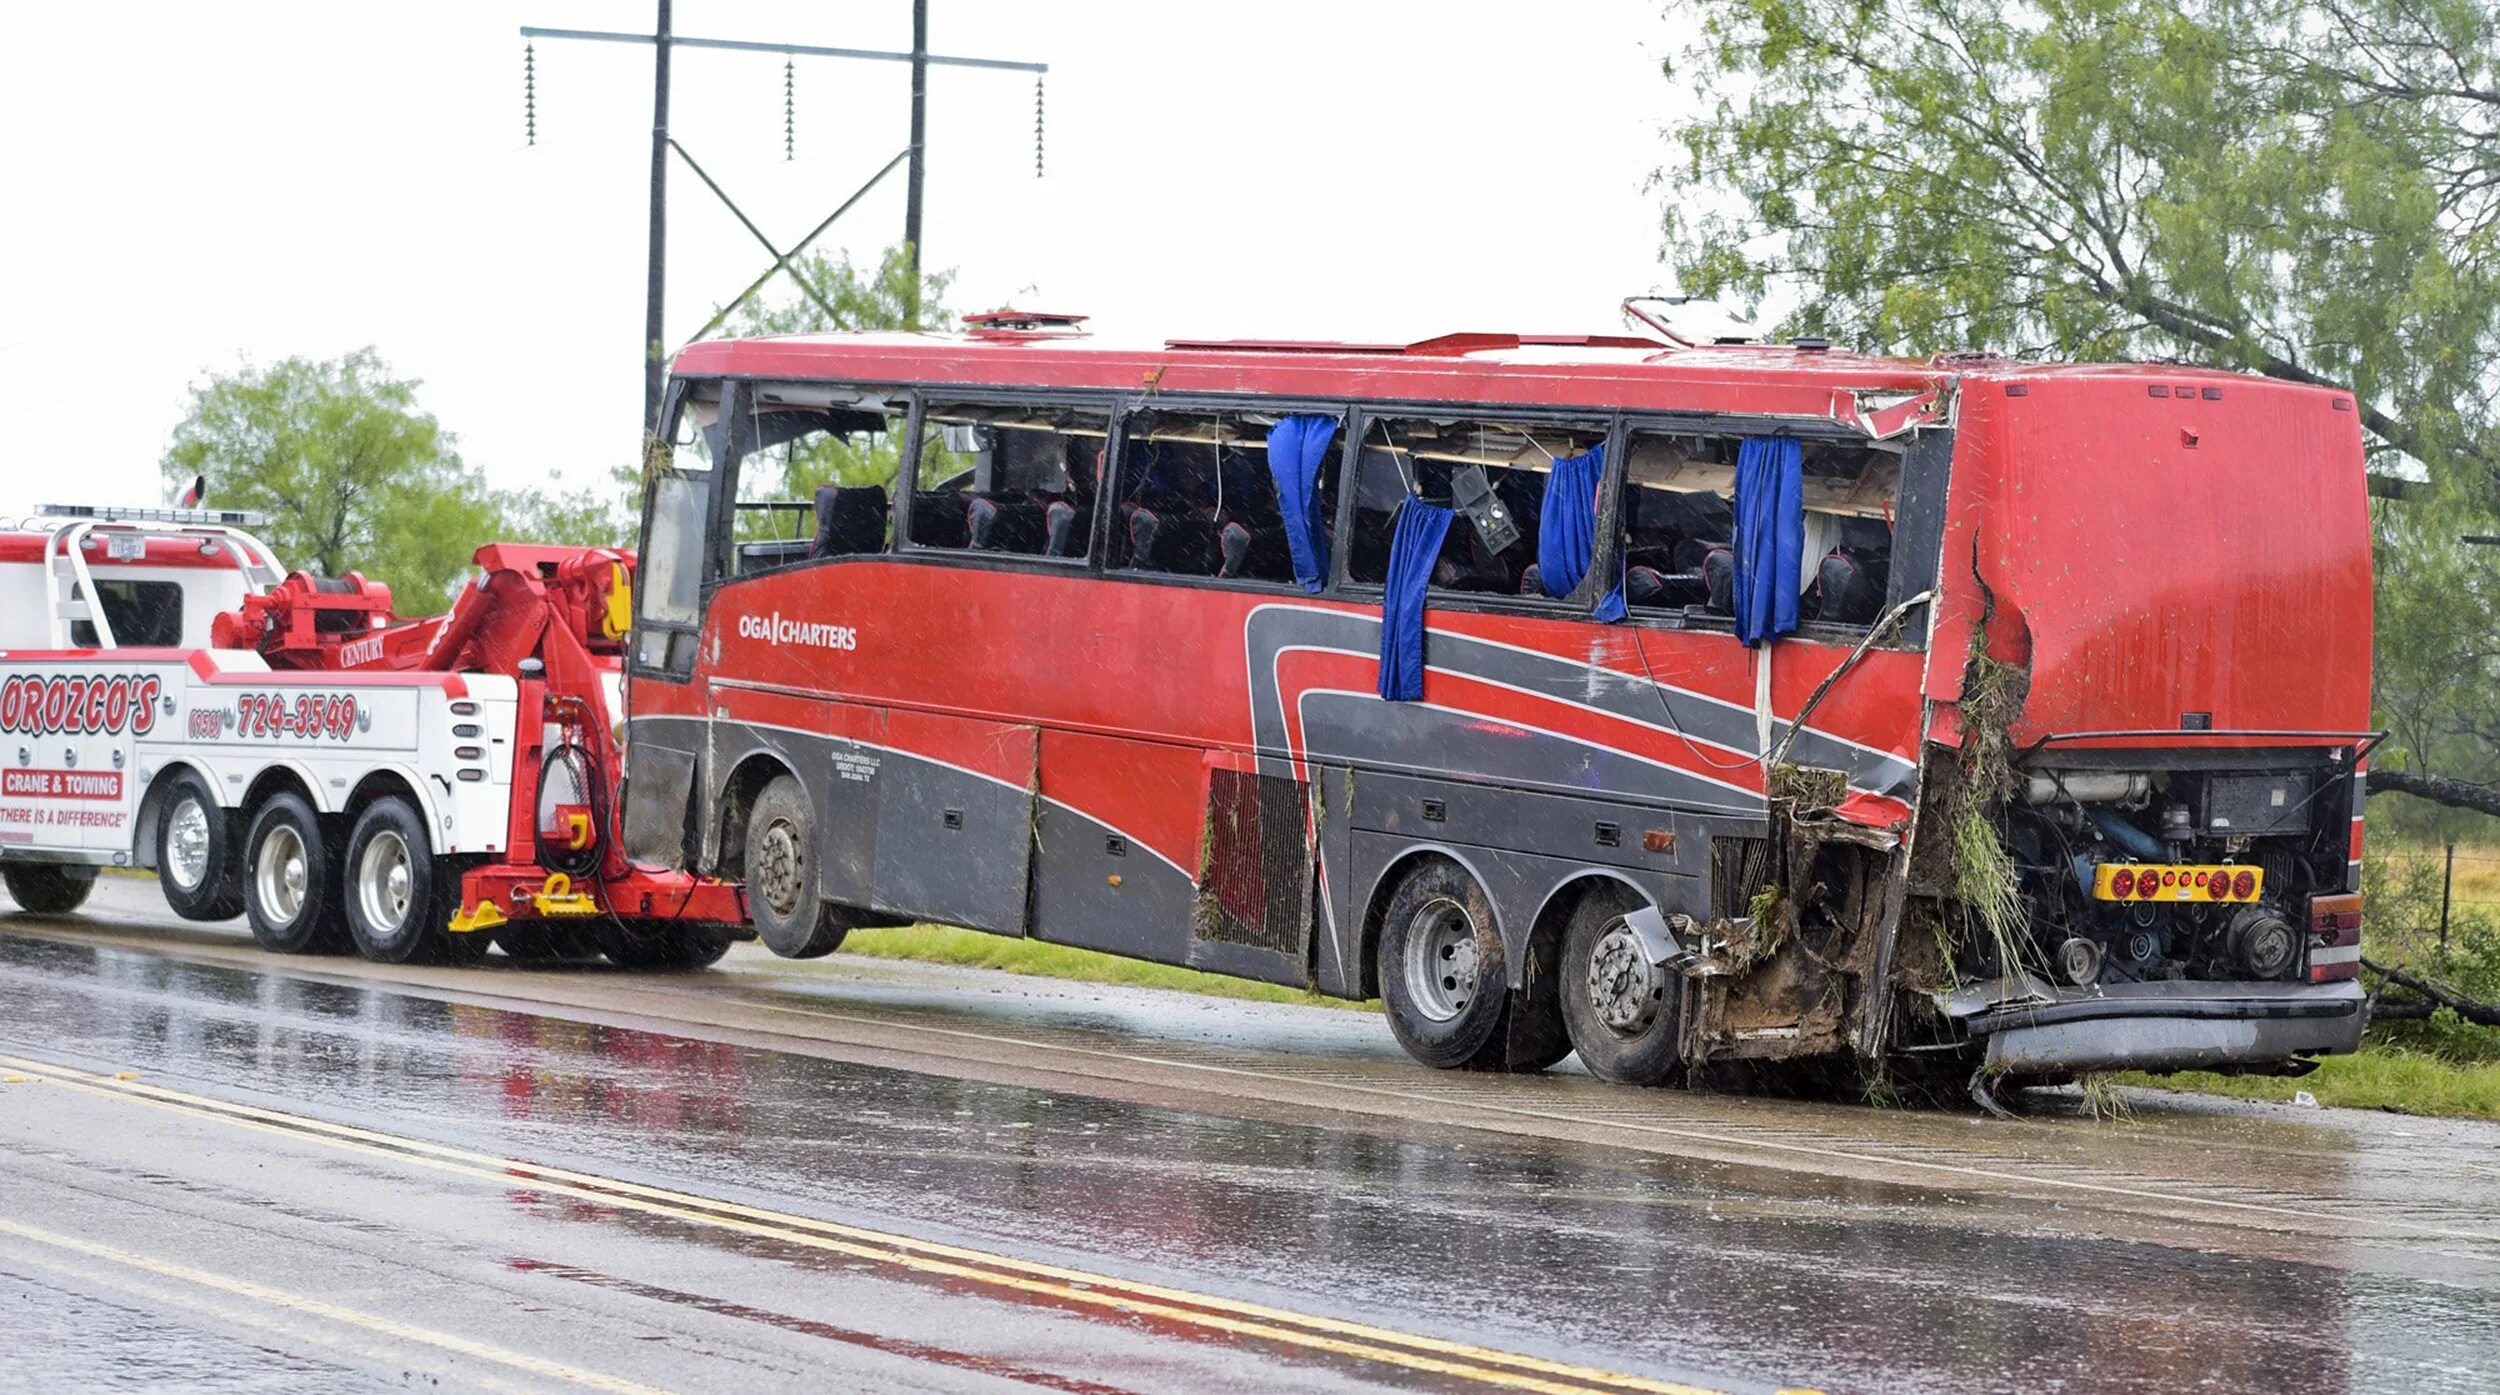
(2135, 875)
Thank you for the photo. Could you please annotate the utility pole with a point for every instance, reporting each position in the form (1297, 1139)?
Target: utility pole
(665, 41)
(654, 318)
(919, 152)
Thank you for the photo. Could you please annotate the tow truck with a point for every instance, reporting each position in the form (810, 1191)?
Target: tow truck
(282, 746)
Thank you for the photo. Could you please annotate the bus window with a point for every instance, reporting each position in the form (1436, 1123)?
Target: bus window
(1197, 498)
(678, 511)
(1490, 472)
(1015, 479)
(817, 476)
(1678, 522)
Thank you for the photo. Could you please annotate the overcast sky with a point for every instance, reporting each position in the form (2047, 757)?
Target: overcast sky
(197, 186)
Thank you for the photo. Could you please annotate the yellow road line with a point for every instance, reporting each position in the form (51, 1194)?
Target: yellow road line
(1331, 1335)
(330, 1312)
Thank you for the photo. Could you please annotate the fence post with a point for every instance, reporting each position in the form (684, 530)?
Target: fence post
(2446, 883)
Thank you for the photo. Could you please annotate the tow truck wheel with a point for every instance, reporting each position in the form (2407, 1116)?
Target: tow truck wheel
(399, 894)
(195, 861)
(1441, 973)
(790, 918)
(48, 888)
(290, 892)
(1624, 1013)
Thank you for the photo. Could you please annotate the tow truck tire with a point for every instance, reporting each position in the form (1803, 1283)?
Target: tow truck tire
(664, 945)
(399, 895)
(1441, 971)
(790, 918)
(48, 888)
(291, 879)
(1625, 1014)
(196, 865)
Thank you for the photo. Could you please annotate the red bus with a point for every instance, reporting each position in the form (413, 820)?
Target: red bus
(1728, 710)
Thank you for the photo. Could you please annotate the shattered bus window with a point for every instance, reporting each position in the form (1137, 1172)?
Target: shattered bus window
(1017, 479)
(1490, 473)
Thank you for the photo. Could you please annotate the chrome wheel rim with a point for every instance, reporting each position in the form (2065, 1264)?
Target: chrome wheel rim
(1624, 988)
(1441, 960)
(186, 843)
(779, 877)
(283, 873)
(385, 880)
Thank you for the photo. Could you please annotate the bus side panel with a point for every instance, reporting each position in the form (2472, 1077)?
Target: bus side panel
(1117, 837)
(955, 821)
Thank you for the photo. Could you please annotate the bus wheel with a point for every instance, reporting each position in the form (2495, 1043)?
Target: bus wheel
(290, 892)
(48, 888)
(397, 904)
(1441, 969)
(1625, 1014)
(647, 944)
(195, 862)
(789, 917)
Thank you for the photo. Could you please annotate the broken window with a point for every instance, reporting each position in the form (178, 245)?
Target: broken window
(1200, 496)
(1013, 479)
(817, 476)
(1678, 525)
(1490, 472)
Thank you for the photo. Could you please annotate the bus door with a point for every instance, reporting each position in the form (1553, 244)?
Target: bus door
(667, 722)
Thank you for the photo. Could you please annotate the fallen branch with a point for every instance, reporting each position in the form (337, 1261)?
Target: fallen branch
(2439, 789)
(2481, 1014)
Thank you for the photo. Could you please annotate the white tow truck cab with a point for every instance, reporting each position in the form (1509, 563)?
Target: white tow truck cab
(137, 731)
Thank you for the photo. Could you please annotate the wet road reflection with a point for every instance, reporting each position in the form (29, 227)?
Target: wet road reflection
(1707, 1271)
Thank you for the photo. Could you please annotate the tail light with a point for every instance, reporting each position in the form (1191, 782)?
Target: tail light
(2334, 938)
(2244, 886)
(2122, 882)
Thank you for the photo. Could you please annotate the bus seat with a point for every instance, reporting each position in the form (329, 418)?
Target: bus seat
(1065, 529)
(1718, 571)
(939, 518)
(1851, 583)
(1168, 540)
(1003, 523)
(1256, 554)
(849, 519)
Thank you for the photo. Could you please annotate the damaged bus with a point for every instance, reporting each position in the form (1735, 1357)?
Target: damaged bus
(1739, 712)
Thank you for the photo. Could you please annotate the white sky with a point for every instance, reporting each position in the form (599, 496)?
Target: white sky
(194, 186)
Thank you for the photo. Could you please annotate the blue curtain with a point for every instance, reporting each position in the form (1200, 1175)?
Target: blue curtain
(1413, 548)
(1566, 530)
(1770, 537)
(1296, 447)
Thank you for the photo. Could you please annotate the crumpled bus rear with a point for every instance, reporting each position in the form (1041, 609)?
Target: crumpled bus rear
(2150, 707)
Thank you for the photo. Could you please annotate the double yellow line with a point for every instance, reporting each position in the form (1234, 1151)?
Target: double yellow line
(1333, 1337)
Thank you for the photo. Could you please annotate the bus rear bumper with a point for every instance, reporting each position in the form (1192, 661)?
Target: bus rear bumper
(2174, 1025)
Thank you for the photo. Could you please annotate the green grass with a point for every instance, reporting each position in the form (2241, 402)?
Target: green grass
(2376, 1077)
(941, 944)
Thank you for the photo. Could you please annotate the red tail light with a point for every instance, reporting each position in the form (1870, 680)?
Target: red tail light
(2244, 886)
(2122, 882)
(2334, 938)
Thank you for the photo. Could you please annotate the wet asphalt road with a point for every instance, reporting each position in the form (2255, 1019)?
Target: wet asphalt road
(324, 1174)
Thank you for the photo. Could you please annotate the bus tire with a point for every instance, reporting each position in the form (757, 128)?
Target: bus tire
(1625, 1014)
(664, 945)
(196, 866)
(399, 895)
(1441, 969)
(47, 888)
(291, 877)
(780, 868)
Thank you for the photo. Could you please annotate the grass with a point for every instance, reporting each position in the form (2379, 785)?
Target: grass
(942, 944)
(2375, 1077)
